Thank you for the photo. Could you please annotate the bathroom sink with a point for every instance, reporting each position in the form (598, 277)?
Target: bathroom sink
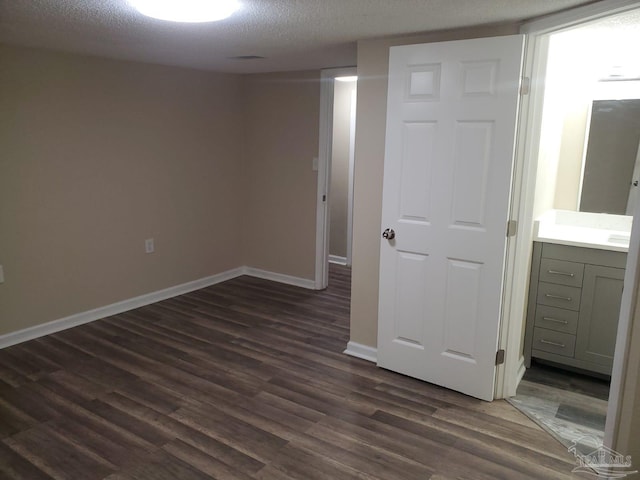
(583, 229)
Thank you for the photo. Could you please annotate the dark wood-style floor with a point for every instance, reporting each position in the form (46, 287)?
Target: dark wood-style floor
(245, 380)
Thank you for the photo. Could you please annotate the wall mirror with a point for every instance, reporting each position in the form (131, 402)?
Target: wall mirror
(610, 173)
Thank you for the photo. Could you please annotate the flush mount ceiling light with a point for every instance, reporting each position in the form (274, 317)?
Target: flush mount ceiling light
(191, 11)
(351, 78)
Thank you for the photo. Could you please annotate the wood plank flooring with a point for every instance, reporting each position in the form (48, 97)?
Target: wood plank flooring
(246, 380)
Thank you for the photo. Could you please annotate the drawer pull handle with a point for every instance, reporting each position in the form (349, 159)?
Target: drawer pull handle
(555, 344)
(556, 272)
(558, 297)
(551, 319)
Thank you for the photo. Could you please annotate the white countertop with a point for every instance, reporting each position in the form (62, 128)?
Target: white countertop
(581, 229)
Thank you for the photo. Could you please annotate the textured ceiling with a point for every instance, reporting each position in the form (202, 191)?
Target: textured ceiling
(291, 34)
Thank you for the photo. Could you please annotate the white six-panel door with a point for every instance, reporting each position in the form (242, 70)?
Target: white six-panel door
(451, 123)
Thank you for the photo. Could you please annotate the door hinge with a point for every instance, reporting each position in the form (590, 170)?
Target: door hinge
(324, 198)
(512, 228)
(500, 357)
(525, 86)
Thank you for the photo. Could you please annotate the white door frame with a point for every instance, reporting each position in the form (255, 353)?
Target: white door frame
(519, 251)
(327, 80)
(352, 162)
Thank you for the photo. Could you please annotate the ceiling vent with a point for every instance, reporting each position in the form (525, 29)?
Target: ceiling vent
(246, 57)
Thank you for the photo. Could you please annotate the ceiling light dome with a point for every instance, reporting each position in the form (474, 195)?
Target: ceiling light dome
(193, 11)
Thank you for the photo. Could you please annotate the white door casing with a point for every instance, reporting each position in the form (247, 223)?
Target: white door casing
(451, 123)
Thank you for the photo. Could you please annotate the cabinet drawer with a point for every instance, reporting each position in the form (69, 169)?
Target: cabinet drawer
(554, 342)
(557, 319)
(561, 296)
(561, 272)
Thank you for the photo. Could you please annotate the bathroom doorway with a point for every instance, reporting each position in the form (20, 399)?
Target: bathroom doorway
(582, 221)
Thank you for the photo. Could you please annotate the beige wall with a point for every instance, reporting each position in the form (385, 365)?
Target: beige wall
(280, 139)
(571, 154)
(373, 69)
(98, 155)
(339, 190)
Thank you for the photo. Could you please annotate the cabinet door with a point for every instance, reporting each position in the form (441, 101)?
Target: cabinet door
(599, 312)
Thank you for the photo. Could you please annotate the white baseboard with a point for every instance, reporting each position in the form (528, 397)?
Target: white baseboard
(337, 259)
(362, 351)
(54, 326)
(280, 278)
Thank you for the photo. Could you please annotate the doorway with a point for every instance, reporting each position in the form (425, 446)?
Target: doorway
(334, 214)
(342, 161)
(585, 166)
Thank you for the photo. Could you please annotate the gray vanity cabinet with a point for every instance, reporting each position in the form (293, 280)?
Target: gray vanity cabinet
(574, 304)
(599, 312)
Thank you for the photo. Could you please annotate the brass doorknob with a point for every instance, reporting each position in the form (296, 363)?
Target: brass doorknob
(389, 234)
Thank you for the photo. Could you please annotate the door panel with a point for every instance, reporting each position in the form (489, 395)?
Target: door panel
(451, 116)
(461, 313)
(472, 157)
(599, 312)
(416, 172)
(412, 273)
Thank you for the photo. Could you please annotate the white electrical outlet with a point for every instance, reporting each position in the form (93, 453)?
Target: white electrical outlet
(1, 274)
(149, 247)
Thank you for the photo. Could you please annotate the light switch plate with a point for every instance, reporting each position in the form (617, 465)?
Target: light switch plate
(315, 164)
(1, 274)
